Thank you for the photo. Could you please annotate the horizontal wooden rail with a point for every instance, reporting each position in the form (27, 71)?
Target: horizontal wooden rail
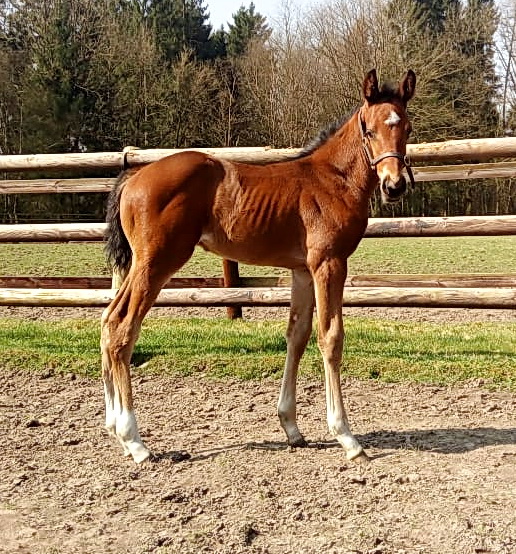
(465, 149)
(49, 186)
(448, 280)
(459, 172)
(504, 298)
(461, 280)
(468, 149)
(378, 227)
(53, 232)
(441, 226)
(421, 174)
(84, 160)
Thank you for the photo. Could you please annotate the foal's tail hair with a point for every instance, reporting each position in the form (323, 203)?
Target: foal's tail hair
(117, 248)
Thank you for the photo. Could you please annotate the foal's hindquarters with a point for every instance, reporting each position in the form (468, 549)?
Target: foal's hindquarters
(160, 223)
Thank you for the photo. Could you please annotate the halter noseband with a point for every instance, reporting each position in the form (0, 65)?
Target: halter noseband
(374, 161)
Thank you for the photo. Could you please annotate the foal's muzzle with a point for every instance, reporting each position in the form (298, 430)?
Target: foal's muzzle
(392, 191)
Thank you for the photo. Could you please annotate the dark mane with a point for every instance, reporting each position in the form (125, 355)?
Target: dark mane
(325, 135)
(388, 92)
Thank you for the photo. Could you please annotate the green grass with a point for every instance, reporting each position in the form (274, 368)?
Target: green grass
(384, 350)
(396, 255)
(435, 255)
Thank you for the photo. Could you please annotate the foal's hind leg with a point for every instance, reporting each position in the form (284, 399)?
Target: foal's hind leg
(121, 324)
(298, 333)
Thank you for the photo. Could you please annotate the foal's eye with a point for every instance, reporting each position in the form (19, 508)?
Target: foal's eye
(369, 134)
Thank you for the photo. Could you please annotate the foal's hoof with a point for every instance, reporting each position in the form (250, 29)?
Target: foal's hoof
(298, 443)
(143, 457)
(361, 458)
(140, 454)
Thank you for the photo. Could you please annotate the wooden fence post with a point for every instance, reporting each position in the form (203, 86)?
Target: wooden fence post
(231, 280)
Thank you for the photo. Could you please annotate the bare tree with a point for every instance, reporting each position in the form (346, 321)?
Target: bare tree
(505, 56)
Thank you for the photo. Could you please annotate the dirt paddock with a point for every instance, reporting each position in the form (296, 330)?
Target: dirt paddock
(442, 478)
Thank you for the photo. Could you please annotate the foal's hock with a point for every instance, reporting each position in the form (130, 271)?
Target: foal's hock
(307, 215)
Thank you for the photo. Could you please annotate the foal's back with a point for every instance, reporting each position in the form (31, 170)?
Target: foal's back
(249, 213)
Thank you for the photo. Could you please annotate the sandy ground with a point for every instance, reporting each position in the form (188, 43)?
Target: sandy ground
(435, 315)
(442, 478)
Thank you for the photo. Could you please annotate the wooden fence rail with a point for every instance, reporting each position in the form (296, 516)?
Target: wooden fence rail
(471, 290)
(468, 149)
(499, 298)
(421, 174)
(52, 186)
(377, 228)
(457, 280)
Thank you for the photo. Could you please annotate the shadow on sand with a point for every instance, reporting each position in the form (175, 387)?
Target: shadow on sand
(443, 441)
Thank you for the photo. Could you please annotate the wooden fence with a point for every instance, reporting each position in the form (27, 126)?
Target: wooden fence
(472, 291)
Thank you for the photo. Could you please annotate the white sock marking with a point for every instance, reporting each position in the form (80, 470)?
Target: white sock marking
(127, 431)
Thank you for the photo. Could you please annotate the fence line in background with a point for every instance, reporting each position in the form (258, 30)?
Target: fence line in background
(478, 291)
(453, 280)
(457, 172)
(499, 298)
(465, 149)
(381, 227)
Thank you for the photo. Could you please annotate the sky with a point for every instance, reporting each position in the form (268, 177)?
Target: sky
(221, 11)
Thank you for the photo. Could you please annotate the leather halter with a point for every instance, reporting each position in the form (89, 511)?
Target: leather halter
(374, 161)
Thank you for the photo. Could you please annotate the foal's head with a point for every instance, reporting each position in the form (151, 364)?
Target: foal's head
(385, 129)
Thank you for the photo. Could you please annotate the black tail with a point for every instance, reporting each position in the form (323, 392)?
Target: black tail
(117, 247)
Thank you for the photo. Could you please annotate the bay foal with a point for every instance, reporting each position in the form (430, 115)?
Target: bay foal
(307, 214)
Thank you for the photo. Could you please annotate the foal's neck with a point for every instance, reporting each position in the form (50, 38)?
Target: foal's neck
(346, 155)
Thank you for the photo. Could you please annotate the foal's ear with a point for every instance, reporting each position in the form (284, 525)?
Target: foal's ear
(370, 86)
(408, 86)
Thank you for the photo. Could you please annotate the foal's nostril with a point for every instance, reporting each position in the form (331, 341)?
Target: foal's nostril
(394, 189)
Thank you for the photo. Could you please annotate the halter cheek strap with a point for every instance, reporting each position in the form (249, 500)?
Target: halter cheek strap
(374, 161)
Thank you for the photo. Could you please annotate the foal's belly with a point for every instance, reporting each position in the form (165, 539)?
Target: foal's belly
(268, 252)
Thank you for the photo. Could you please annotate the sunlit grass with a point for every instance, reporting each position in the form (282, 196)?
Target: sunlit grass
(393, 255)
(384, 350)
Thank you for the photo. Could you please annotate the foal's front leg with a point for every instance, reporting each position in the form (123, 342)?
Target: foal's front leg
(298, 333)
(329, 276)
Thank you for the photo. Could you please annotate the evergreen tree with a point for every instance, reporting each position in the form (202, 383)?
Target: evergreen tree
(13, 61)
(436, 12)
(247, 25)
(465, 93)
(460, 101)
(478, 46)
(59, 38)
(232, 102)
(219, 43)
(180, 25)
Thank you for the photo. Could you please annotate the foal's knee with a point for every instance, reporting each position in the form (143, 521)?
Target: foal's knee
(330, 343)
